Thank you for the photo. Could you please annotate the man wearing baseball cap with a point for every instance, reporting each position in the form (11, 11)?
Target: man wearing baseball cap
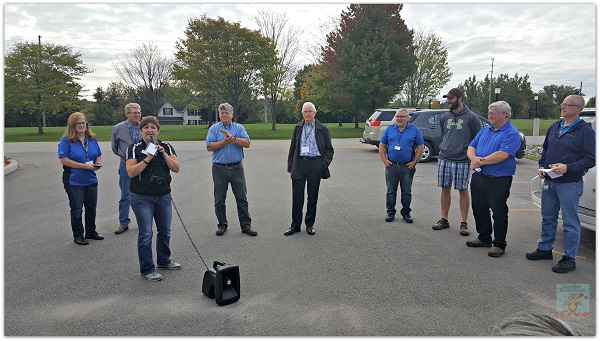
(459, 126)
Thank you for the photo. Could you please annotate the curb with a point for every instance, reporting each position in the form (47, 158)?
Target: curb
(11, 167)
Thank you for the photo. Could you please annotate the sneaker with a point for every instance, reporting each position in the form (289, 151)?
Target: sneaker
(407, 218)
(170, 266)
(152, 277)
(441, 224)
(478, 243)
(121, 229)
(250, 232)
(539, 254)
(564, 265)
(495, 251)
(389, 217)
(221, 231)
(464, 230)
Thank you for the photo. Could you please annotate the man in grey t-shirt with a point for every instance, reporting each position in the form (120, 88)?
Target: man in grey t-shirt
(123, 135)
(459, 127)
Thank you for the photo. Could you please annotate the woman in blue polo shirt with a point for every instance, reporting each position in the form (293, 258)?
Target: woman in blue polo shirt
(79, 150)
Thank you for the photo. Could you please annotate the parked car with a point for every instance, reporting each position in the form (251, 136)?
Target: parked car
(428, 122)
(587, 203)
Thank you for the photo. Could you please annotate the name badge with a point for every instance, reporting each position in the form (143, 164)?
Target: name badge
(89, 163)
(397, 147)
(305, 150)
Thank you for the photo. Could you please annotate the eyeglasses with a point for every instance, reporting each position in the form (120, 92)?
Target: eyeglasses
(568, 105)
(80, 123)
(135, 113)
(401, 116)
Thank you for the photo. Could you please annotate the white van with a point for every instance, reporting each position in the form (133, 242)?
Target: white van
(587, 203)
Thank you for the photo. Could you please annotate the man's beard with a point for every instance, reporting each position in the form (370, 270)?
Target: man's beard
(454, 106)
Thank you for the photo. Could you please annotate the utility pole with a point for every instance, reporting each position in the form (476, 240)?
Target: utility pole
(40, 50)
(580, 86)
(491, 81)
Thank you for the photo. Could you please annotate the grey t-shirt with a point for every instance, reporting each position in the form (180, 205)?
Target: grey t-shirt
(458, 130)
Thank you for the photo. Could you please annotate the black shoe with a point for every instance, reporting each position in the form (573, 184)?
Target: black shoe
(478, 243)
(539, 254)
(95, 236)
(250, 232)
(310, 230)
(564, 265)
(291, 231)
(407, 218)
(389, 217)
(221, 231)
(80, 241)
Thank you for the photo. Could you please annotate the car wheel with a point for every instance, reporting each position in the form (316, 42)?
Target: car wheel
(427, 153)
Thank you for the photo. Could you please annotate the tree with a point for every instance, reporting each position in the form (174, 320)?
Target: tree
(432, 71)
(108, 108)
(42, 78)
(223, 61)
(274, 25)
(367, 59)
(591, 102)
(148, 71)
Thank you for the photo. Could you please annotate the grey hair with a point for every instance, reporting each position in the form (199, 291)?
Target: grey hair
(226, 106)
(534, 325)
(132, 105)
(309, 103)
(402, 109)
(502, 107)
(579, 99)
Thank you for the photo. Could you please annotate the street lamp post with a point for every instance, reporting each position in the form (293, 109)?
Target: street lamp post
(536, 119)
(430, 97)
(535, 98)
(497, 90)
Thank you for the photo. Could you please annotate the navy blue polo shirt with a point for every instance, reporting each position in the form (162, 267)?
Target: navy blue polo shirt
(489, 141)
(403, 140)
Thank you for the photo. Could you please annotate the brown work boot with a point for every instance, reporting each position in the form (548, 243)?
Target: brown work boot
(478, 243)
(121, 229)
(464, 230)
(441, 224)
(495, 252)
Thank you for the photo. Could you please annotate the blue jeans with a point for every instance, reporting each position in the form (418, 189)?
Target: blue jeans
(223, 176)
(125, 200)
(394, 175)
(145, 209)
(563, 196)
(83, 196)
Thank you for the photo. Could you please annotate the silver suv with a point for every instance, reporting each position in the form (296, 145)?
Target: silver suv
(587, 203)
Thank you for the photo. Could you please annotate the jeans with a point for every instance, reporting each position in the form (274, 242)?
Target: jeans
(125, 200)
(83, 196)
(394, 175)
(310, 172)
(563, 197)
(67, 185)
(145, 209)
(222, 177)
(491, 193)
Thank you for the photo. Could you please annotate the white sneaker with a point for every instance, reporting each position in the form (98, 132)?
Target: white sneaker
(170, 266)
(152, 277)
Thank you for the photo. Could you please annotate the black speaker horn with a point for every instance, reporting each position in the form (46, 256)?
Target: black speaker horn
(222, 282)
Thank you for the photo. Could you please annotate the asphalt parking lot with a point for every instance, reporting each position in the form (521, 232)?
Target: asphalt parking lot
(358, 276)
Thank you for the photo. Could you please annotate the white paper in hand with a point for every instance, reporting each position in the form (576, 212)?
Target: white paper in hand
(550, 173)
(150, 149)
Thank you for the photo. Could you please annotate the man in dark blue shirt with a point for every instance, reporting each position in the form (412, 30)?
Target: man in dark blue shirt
(569, 150)
(492, 154)
(397, 151)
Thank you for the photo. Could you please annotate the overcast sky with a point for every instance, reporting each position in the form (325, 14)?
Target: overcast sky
(553, 43)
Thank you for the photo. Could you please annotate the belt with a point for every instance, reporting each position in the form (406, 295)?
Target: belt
(309, 157)
(122, 158)
(229, 164)
(399, 163)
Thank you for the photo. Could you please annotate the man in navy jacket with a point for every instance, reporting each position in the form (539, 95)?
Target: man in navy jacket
(569, 150)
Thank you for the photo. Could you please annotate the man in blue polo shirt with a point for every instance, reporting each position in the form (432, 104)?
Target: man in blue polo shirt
(397, 151)
(226, 139)
(492, 154)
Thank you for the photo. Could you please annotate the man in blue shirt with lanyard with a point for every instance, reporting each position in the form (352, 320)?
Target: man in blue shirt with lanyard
(226, 139)
(398, 153)
(569, 150)
(123, 135)
(492, 154)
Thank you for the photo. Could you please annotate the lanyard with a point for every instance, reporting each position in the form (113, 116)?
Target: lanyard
(562, 129)
(135, 138)
(307, 132)
(85, 147)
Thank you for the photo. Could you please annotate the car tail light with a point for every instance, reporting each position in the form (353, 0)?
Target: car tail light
(375, 123)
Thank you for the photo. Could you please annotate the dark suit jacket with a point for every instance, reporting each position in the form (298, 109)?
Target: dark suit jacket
(323, 143)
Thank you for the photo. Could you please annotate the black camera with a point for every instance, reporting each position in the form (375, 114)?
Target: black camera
(156, 179)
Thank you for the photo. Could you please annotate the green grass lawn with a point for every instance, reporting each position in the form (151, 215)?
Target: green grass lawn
(257, 131)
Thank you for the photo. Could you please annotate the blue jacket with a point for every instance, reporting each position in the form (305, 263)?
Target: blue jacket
(576, 148)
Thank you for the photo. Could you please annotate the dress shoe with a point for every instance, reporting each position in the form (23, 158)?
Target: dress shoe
(250, 232)
(389, 217)
(310, 230)
(80, 241)
(478, 243)
(291, 231)
(94, 236)
(407, 218)
(221, 231)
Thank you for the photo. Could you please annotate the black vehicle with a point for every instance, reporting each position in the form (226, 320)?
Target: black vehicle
(428, 122)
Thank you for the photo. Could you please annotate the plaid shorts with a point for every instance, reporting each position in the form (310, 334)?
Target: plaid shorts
(457, 172)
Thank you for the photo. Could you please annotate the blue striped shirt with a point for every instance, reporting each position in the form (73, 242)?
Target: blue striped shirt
(307, 138)
(232, 152)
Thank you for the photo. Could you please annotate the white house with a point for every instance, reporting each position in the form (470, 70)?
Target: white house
(182, 115)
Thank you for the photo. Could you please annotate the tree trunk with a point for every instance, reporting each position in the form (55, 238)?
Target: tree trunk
(40, 123)
(339, 119)
(356, 121)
